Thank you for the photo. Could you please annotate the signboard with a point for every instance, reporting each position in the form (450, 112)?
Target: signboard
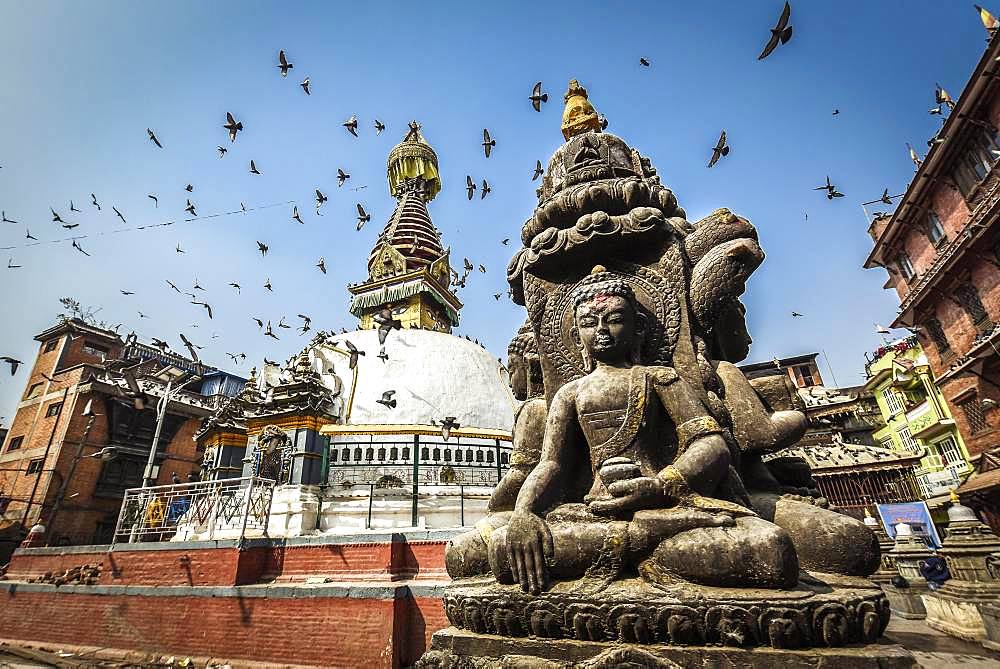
(916, 515)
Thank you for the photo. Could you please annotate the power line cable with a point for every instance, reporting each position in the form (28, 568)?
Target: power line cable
(150, 226)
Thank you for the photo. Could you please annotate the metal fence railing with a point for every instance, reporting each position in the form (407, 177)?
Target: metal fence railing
(201, 510)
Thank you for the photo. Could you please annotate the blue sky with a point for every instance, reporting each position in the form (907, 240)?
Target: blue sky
(83, 81)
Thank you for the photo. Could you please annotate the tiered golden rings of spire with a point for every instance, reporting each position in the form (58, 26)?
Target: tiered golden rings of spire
(579, 116)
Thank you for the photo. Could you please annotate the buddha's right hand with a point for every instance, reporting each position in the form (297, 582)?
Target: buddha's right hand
(529, 543)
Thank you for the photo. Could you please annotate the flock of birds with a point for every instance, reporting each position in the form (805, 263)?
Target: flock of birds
(233, 127)
(780, 34)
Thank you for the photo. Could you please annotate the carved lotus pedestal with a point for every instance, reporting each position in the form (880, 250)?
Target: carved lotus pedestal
(833, 621)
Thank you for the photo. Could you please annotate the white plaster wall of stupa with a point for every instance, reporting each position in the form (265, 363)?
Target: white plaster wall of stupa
(434, 375)
(438, 507)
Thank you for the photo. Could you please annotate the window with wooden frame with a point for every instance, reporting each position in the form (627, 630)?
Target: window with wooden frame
(934, 228)
(909, 443)
(893, 401)
(96, 350)
(15, 443)
(905, 266)
(53, 409)
(50, 345)
(972, 409)
(968, 297)
(936, 332)
(804, 377)
(950, 453)
(35, 466)
(972, 167)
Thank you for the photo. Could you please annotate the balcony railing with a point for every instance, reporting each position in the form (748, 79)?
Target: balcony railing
(204, 509)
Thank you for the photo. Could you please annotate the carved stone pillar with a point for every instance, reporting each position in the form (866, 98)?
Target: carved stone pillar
(906, 593)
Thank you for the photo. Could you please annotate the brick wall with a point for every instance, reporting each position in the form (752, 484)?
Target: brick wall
(321, 631)
(415, 624)
(211, 564)
(424, 559)
(368, 560)
(386, 624)
(32, 564)
(975, 441)
(396, 560)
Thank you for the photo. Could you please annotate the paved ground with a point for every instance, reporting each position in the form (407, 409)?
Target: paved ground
(935, 649)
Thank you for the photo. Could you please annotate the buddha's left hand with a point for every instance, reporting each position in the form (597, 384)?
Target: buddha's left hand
(643, 492)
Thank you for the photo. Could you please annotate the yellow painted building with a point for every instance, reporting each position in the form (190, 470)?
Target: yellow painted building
(917, 417)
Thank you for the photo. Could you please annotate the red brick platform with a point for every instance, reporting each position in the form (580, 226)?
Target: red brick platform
(362, 600)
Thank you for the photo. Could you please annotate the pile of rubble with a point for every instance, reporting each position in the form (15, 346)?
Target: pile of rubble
(85, 574)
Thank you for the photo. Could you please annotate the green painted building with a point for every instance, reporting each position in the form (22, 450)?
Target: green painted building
(917, 418)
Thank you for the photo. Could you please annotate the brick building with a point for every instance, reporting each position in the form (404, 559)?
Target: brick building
(941, 249)
(48, 472)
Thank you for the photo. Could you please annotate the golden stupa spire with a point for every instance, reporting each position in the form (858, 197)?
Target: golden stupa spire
(579, 115)
(413, 161)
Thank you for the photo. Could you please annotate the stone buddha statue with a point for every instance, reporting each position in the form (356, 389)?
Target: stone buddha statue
(645, 503)
(664, 498)
(467, 554)
(529, 418)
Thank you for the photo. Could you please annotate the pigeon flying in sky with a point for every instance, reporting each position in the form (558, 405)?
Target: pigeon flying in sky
(537, 97)
(780, 33)
(721, 149)
(12, 362)
(233, 126)
(352, 125)
(283, 63)
(488, 142)
(363, 216)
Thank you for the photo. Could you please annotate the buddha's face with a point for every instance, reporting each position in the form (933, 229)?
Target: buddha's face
(606, 327)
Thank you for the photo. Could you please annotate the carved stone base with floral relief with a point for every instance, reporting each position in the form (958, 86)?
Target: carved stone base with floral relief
(820, 613)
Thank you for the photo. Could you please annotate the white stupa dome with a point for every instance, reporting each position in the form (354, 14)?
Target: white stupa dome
(435, 375)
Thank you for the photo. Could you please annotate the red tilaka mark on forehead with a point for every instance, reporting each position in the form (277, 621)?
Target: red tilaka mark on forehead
(600, 303)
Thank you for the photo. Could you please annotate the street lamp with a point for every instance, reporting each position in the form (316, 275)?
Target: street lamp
(161, 412)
